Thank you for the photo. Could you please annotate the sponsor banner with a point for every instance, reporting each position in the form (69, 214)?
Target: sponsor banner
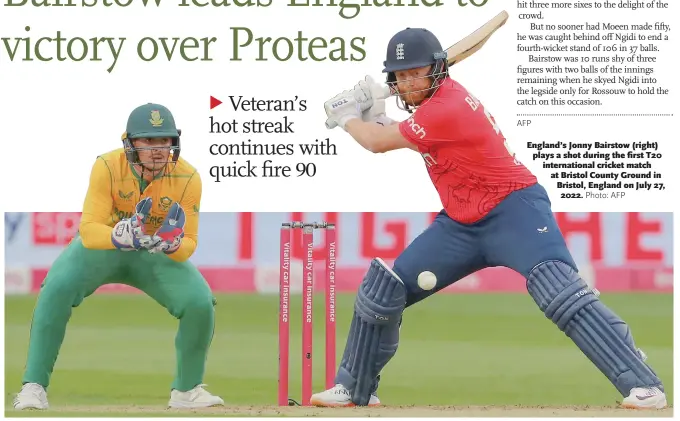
(239, 252)
(18, 280)
(247, 239)
(265, 280)
(54, 228)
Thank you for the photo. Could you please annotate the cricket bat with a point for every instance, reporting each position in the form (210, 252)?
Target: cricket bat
(476, 40)
(458, 51)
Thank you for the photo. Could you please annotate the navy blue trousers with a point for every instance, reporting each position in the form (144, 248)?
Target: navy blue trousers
(519, 233)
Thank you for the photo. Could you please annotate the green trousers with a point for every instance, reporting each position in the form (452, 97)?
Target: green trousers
(177, 286)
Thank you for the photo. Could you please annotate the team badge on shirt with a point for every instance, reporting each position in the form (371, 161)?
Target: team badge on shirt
(165, 203)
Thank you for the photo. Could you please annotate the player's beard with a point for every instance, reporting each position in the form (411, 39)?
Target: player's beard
(415, 96)
(414, 99)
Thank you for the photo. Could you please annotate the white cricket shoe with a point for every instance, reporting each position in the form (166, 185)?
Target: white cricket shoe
(197, 397)
(32, 396)
(338, 396)
(645, 398)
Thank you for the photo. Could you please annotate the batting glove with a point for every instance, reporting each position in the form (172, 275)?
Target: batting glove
(376, 114)
(128, 234)
(169, 235)
(342, 108)
(370, 94)
(363, 92)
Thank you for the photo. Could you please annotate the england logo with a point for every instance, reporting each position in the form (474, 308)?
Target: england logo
(400, 51)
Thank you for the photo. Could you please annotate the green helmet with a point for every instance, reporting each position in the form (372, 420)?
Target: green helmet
(150, 121)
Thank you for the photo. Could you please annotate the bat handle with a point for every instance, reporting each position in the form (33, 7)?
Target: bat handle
(384, 93)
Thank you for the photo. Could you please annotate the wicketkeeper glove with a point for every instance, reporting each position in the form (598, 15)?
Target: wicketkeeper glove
(169, 236)
(128, 234)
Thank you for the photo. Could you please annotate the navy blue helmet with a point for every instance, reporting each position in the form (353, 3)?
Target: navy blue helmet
(413, 48)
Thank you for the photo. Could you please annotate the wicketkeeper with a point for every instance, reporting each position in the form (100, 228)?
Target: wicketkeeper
(139, 227)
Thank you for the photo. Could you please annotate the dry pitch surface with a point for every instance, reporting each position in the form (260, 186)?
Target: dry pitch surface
(386, 411)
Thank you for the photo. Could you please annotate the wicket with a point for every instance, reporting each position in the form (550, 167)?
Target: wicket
(307, 313)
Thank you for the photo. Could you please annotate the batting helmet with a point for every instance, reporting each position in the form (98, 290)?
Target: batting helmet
(412, 48)
(150, 121)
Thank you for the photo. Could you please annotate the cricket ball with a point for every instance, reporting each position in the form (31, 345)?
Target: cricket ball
(427, 280)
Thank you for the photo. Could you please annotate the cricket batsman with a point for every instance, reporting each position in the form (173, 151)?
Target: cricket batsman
(495, 213)
(139, 227)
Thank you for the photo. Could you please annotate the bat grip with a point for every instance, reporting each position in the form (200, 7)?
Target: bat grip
(383, 93)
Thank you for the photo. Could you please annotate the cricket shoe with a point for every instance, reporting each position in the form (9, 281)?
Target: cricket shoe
(32, 396)
(197, 397)
(338, 396)
(645, 398)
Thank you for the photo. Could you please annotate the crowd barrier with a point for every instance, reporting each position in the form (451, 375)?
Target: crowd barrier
(238, 252)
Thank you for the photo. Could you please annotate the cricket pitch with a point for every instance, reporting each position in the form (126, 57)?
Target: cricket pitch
(385, 411)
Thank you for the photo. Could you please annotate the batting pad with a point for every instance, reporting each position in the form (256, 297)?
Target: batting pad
(601, 335)
(374, 333)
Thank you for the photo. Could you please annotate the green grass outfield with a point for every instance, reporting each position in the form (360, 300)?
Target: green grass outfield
(458, 350)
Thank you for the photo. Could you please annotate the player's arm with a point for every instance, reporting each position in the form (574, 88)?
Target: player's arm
(377, 138)
(346, 112)
(94, 228)
(191, 203)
